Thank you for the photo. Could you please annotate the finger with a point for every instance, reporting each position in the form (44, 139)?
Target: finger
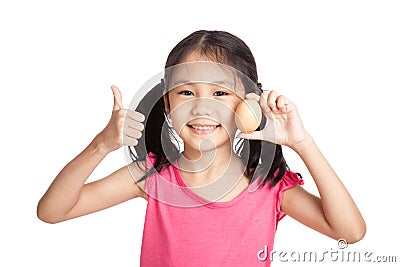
(134, 115)
(117, 98)
(281, 103)
(132, 133)
(264, 102)
(271, 101)
(129, 123)
(129, 141)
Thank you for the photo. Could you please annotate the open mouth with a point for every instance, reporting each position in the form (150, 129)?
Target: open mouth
(203, 129)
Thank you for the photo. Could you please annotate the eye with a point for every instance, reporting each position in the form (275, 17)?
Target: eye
(185, 92)
(221, 93)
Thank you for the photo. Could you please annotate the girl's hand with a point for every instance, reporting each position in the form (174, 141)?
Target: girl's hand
(124, 128)
(284, 126)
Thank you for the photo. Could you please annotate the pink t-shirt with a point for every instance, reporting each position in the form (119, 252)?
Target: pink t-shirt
(182, 229)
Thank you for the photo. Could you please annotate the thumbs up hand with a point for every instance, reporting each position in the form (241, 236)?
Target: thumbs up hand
(124, 128)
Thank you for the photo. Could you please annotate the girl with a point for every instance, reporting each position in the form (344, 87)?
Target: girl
(217, 200)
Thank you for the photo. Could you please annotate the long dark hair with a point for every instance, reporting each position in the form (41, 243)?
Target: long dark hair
(158, 139)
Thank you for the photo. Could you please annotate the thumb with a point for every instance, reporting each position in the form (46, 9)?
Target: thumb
(117, 98)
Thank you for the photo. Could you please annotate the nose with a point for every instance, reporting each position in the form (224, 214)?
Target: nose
(202, 106)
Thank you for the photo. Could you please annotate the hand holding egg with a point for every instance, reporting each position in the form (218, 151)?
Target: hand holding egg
(283, 126)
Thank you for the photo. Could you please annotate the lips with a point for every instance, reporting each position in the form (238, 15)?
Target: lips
(203, 127)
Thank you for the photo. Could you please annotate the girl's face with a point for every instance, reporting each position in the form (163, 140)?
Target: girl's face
(201, 103)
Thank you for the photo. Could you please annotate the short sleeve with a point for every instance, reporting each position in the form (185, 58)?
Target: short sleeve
(150, 159)
(289, 180)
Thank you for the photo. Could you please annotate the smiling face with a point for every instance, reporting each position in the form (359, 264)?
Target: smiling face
(201, 101)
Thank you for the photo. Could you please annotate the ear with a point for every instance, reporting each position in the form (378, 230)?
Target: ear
(166, 103)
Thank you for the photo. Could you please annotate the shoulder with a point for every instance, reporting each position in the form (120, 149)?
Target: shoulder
(145, 175)
(289, 180)
(136, 171)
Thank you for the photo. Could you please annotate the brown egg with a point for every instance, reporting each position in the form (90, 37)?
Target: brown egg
(248, 115)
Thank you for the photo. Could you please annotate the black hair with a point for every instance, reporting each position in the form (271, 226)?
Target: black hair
(158, 137)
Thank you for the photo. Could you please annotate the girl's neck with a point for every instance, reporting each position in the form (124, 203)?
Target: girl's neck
(199, 168)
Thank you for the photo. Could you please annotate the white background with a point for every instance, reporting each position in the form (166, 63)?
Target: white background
(339, 61)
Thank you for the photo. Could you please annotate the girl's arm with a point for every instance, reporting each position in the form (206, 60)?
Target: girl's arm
(68, 196)
(334, 214)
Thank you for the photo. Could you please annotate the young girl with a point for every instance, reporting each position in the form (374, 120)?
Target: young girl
(216, 200)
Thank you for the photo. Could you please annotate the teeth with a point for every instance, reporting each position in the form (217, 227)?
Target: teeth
(203, 128)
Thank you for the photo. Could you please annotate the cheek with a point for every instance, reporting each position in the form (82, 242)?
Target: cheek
(227, 119)
(180, 115)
